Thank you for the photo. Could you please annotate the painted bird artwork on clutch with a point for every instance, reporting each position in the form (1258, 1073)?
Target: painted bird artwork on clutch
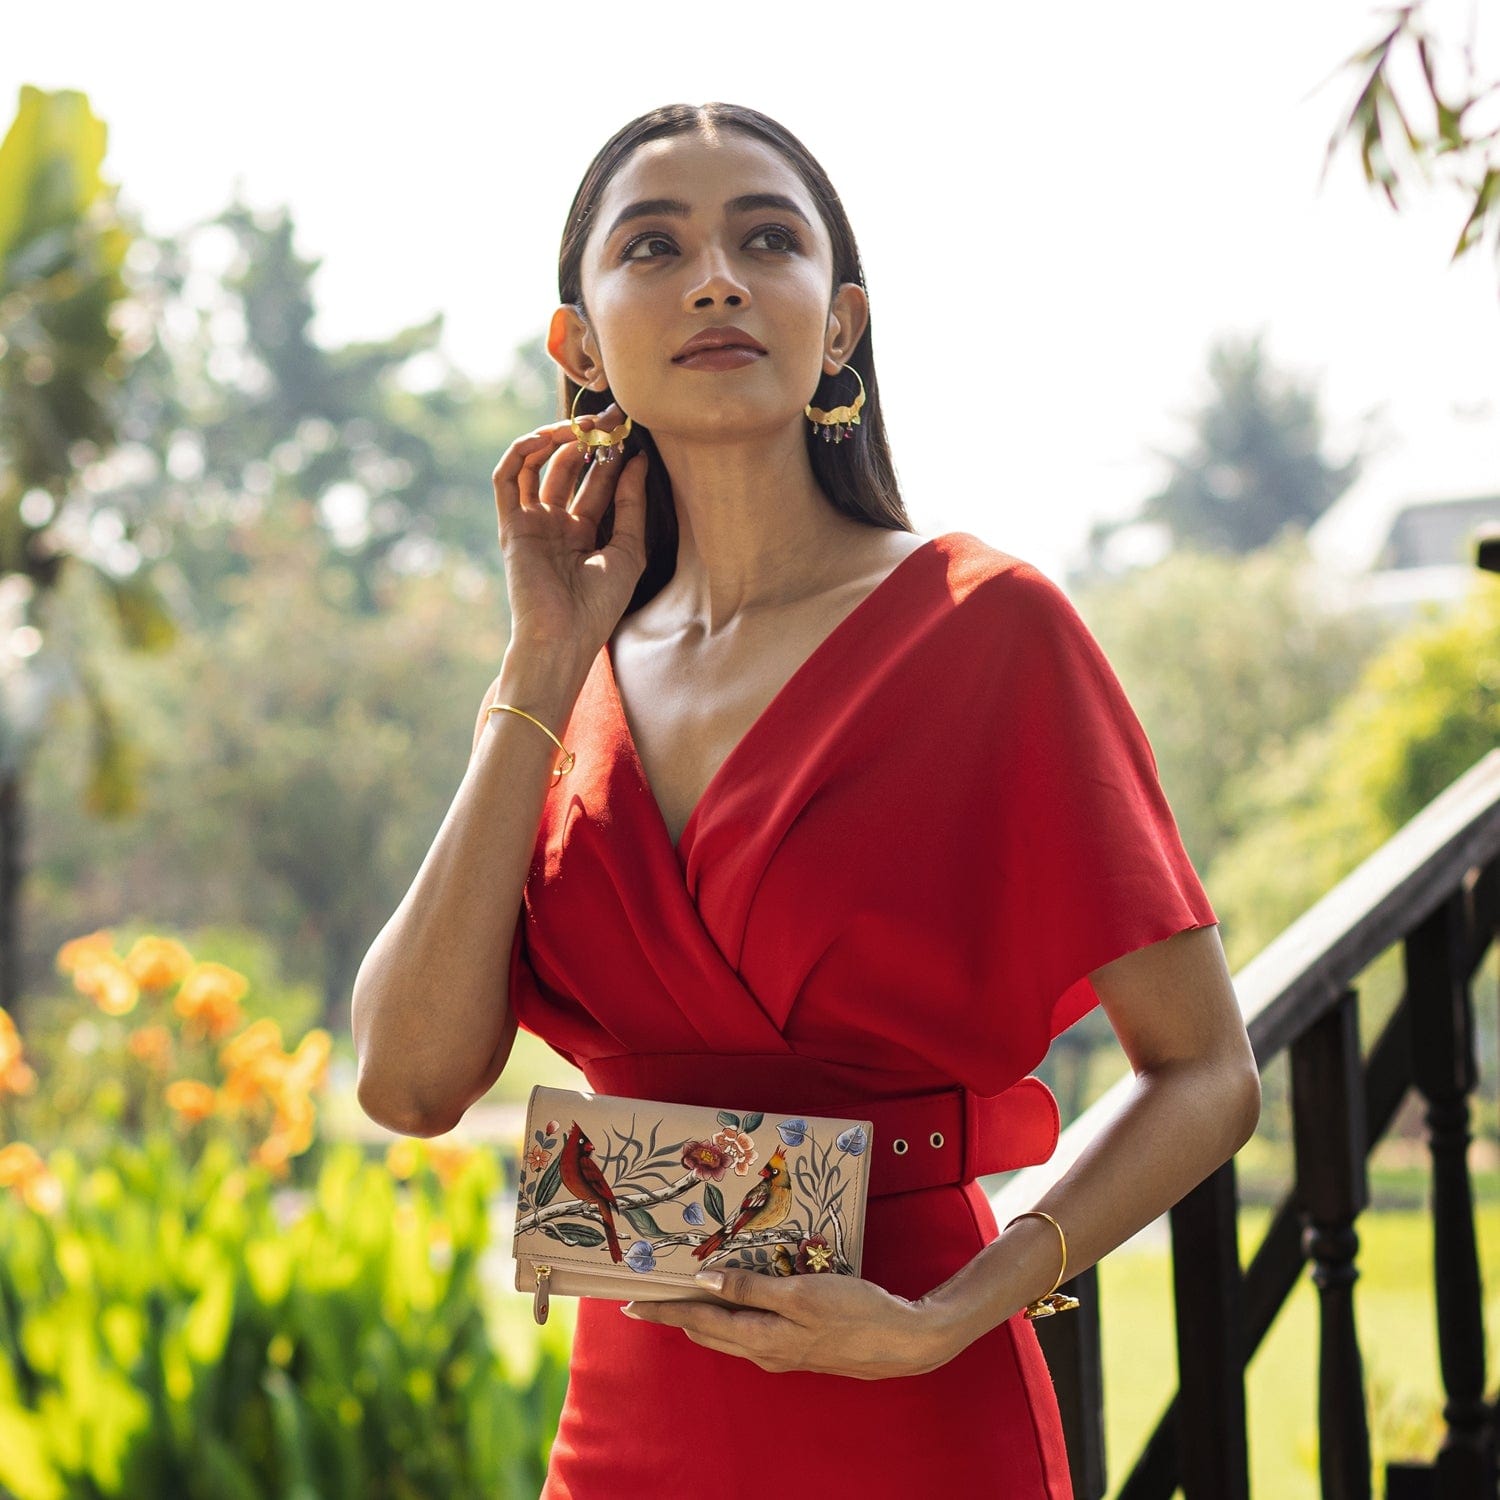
(582, 1177)
(764, 1207)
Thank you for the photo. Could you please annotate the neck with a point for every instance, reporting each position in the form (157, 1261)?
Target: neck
(754, 531)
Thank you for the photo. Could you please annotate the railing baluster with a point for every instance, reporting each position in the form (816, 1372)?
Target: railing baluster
(1328, 1125)
(1208, 1288)
(1071, 1346)
(1446, 1074)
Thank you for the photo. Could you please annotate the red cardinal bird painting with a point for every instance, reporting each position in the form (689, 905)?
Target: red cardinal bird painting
(581, 1176)
(764, 1206)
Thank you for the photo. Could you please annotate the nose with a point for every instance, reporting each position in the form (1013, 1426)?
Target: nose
(716, 284)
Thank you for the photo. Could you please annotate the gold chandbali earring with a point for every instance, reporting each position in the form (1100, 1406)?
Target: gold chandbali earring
(600, 447)
(839, 423)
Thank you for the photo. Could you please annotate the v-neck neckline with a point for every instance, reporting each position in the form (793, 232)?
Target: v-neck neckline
(756, 727)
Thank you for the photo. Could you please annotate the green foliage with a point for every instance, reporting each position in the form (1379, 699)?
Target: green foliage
(296, 760)
(61, 252)
(1395, 146)
(63, 247)
(236, 412)
(1425, 709)
(1226, 661)
(191, 1333)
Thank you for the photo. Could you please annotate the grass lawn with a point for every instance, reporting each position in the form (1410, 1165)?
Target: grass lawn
(1397, 1324)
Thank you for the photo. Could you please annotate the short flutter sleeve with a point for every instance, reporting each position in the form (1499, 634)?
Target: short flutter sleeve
(1094, 865)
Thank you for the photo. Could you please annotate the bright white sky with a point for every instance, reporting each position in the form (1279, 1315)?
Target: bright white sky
(1059, 206)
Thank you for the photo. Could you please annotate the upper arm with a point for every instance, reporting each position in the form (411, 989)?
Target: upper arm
(1173, 1002)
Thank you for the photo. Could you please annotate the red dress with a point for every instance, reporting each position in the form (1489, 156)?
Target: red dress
(896, 883)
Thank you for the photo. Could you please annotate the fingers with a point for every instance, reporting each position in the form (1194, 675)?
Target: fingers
(516, 476)
(750, 1288)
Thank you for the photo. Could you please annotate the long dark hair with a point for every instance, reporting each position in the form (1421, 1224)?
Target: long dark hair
(858, 477)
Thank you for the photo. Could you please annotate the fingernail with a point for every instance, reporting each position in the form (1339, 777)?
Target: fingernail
(713, 1280)
(629, 1311)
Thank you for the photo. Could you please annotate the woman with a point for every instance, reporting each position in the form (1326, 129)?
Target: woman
(851, 821)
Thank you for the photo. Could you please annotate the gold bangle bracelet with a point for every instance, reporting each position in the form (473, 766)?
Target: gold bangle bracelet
(558, 772)
(1054, 1301)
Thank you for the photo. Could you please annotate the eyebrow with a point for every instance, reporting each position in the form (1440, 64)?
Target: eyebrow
(675, 208)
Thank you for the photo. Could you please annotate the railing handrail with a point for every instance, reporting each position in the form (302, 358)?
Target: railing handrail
(1297, 975)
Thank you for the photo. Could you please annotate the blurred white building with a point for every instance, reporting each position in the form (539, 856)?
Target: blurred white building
(1404, 534)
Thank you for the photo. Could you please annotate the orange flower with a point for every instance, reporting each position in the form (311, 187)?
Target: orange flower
(209, 1000)
(191, 1099)
(95, 946)
(156, 962)
(308, 1067)
(448, 1161)
(111, 984)
(254, 1042)
(24, 1171)
(254, 1064)
(152, 1044)
(15, 1076)
(273, 1153)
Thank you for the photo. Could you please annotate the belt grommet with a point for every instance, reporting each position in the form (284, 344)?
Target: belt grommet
(898, 1146)
(936, 1138)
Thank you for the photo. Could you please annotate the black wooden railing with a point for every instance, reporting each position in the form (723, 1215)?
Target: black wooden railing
(1434, 890)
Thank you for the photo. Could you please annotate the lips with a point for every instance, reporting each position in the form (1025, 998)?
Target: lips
(719, 338)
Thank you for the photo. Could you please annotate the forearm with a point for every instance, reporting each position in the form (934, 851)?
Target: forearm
(430, 1007)
(1180, 1124)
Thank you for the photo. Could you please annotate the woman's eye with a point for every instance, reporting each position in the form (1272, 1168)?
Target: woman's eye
(646, 241)
(780, 236)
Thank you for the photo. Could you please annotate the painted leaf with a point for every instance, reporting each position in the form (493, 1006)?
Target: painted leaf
(643, 1223)
(725, 1118)
(713, 1201)
(546, 1189)
(574, 1234)
(752, 1122)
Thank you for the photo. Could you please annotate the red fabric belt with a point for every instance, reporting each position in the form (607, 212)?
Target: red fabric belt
(921, 1140)
(933, 1140)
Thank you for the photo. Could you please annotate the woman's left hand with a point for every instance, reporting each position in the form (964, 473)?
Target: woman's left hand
(829, 1324)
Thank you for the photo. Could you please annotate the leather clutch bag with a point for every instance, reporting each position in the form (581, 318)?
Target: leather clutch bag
(630, 1198)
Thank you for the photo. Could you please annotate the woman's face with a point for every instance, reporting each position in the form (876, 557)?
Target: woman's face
(693, 236)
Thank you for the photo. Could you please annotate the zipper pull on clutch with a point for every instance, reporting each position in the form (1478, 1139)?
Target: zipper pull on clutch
(540, 1302)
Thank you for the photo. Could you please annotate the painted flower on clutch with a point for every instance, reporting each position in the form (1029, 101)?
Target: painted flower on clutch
(537, 1158)
(738, 1148)
(814, 1254)
(640, 1256)
(853, 1140)
(706, 1160)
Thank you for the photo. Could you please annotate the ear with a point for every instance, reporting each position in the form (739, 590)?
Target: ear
(847, 318)
(570, 342)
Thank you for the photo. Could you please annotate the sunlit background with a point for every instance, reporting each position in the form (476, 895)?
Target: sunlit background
(1059, 207)
(1127, 329)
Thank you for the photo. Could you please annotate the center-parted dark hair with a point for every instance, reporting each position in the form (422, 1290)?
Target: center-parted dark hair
(857, 476)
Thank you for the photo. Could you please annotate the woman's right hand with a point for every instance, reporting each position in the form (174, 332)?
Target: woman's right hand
(565, 592)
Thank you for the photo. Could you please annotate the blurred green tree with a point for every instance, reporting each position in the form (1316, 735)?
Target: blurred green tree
(298, 757)
(1253, 469)
(348, 485)
(1426, 707)
(63, 243)
(1226, 660)
(238, 408)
